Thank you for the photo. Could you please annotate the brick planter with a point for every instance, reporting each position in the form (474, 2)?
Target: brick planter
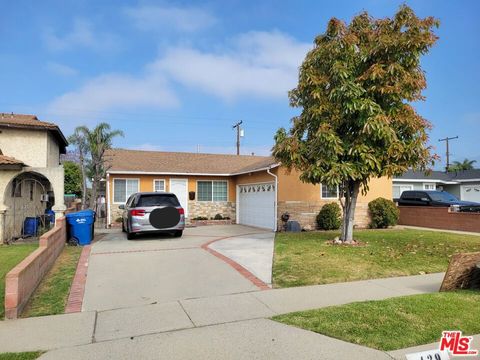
(211, 222)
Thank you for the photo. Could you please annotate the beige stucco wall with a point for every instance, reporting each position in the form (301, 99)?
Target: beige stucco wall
(30, 146)
(53, 151)
(36, 148)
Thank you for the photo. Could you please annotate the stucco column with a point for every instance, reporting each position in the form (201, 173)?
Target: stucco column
(59, 210)
(2, 225)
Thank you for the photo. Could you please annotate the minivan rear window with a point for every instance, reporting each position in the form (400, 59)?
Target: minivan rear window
(158, 200)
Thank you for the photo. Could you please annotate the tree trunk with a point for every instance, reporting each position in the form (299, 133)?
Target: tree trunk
(93, 199)
(351, 196)
(84, 180)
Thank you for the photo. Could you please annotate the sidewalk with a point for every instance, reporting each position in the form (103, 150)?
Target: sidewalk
(437, 230)
(200, 317)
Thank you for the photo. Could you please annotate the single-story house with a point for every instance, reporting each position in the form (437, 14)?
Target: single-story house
(251, 190)
(464, 184)
(31, 176)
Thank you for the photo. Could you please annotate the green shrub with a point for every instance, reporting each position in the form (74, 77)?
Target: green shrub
(200, 218)
(383, 213)
(218, 217)
(329, 217)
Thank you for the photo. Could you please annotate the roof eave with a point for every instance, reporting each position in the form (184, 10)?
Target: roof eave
(136, 172)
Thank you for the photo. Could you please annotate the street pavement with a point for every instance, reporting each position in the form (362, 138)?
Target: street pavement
(167, 298)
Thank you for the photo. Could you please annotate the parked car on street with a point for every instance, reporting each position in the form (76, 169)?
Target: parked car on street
(436, 198)
(147, 212)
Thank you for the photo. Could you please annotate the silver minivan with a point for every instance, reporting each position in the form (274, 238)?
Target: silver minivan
(147, 212)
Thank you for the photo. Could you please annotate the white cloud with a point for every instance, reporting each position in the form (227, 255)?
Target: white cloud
(115, 91)
(61, 69)
(82, 34)
(263, 64)
(185, 19)
(257, 65)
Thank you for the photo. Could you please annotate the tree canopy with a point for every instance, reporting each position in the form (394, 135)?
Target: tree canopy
(73, 178)
(464, 165)
(355, 90)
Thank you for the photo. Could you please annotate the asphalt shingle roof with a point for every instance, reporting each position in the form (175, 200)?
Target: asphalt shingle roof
(184, 163)
(440, 175)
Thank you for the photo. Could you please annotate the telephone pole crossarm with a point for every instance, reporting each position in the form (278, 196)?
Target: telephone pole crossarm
(448, 149)
(237, 125)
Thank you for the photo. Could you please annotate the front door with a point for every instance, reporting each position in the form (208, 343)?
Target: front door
(180, 188)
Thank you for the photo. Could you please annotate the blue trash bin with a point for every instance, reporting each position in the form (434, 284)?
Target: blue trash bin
(81, 226)
(31, 226)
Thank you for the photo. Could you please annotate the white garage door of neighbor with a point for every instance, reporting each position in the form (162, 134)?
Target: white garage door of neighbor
(256, 205)
(470, 192)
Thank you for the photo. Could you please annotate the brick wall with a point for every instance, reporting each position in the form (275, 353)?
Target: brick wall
(305, 212)
(24, 278)
(211, 208)
(439, 218)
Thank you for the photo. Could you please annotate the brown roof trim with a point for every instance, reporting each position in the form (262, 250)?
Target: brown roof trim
(10, 163)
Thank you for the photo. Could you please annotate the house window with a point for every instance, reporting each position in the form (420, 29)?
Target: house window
(399, 189)
(212, 191)
(329, 192)
(123, 188)
(16, 188)
(430, 186)
(158, 185)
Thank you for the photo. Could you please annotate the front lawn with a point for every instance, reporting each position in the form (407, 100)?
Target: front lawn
(305, 258)
(21, 356)
(51, 295)
(10, 256)
(394, 323)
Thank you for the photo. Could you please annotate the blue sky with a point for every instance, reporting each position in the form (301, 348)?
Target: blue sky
(177, 75)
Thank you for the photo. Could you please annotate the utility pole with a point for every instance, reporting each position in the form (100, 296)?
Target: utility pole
(448, 149)
(237, 125)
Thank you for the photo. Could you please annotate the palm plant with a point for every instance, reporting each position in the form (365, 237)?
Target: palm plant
(78, 139)
(464, 165)
(97, 141)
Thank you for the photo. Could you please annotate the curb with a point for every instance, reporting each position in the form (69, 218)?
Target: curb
(77, 290)
(244, 272)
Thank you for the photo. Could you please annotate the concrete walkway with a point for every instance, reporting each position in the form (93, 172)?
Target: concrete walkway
(437, 230)
(253, 252)
(169, 298)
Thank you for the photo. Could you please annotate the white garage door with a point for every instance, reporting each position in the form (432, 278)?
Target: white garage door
(256, 205)
(470, 192)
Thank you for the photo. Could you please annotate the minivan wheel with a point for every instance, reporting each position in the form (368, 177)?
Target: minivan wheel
(178, 233)
(130, 236)
(123, 227)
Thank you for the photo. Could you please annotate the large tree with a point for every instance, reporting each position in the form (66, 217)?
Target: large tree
(73, 178)
(79, 140)
(97, 141)
(355, 90)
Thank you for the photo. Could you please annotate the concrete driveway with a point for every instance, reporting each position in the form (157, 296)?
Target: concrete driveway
(159, 268)
(162, 297)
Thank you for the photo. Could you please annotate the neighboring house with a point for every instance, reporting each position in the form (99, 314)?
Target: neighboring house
(31, 177)
(464, 184)
(252, 190)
